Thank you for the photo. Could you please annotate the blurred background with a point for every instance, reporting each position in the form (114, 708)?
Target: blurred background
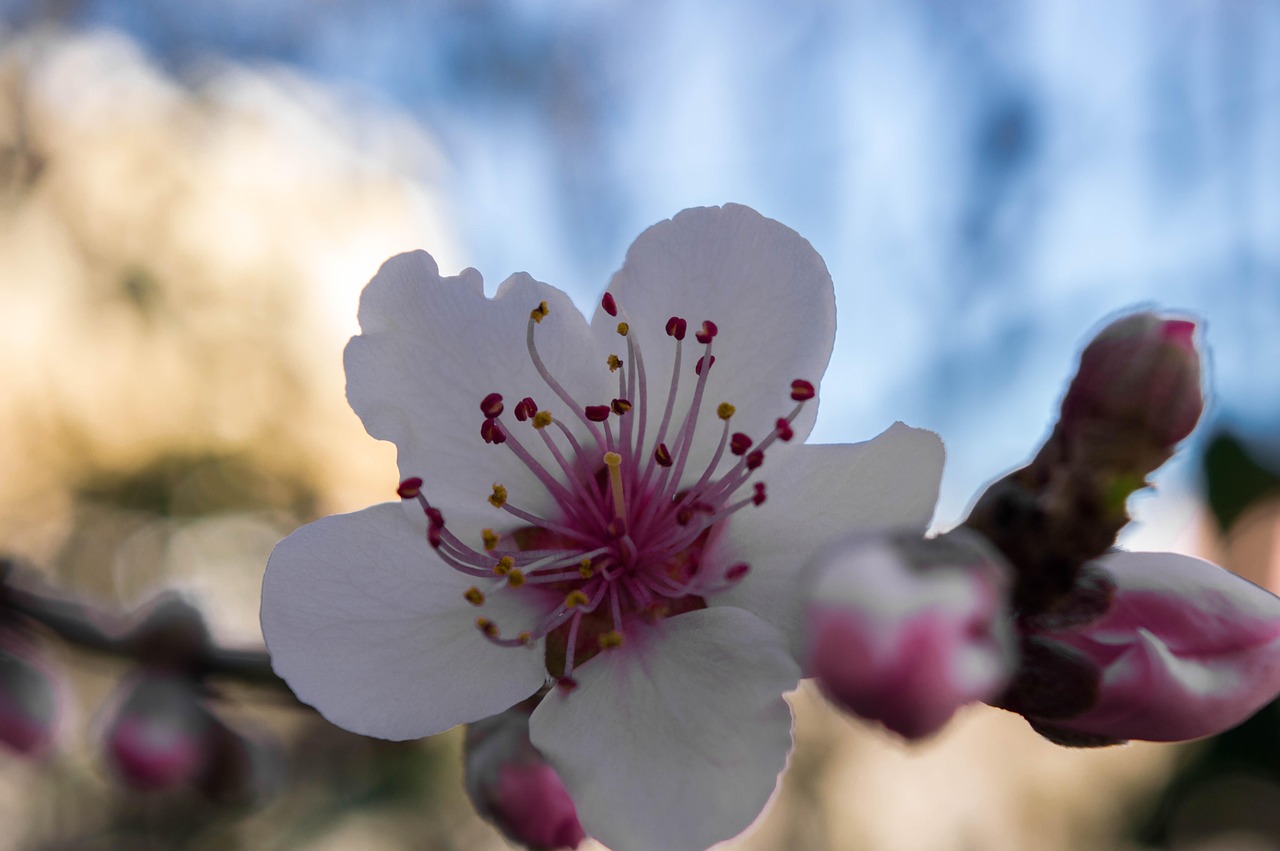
(193, 194)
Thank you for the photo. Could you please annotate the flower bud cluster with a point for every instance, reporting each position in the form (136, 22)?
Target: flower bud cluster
(1027, 606)
(1135, 395)
(159, 731)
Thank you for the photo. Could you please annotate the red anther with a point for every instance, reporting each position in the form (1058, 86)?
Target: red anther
(755, 459)
(597, 413)
(492, 432)
(697, 370)
(684, 515)
(526, 408)
(409, 488)
(736, 572)
(739, 443)
(435, 537)
(434, 518)
(610, 306)
(491, 405)
(802, 390)
(566, 684)
(757, 498)
(707, 331)
(662, 455)
(676, 327)
(620, 406)
(784, 430)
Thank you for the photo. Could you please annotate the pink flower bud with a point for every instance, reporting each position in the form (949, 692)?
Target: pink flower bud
(904, 630)
(1141, 372)
(511, 785)
(30, 704)
(161, 735)
(1185, 649)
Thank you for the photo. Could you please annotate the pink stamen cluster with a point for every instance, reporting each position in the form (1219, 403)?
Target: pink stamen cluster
(625, 542)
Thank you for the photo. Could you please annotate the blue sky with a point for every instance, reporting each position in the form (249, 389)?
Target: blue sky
(988, 182)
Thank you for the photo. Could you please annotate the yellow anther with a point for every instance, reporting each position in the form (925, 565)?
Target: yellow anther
(615, 363)
(725, 410)
(504, 566)
(576, 598)
(585, 568)
(499, 496)
(610, 639)
(542, 419)
(613, 461)
(474, 596)
(490, 539)
(524, 638)
(487, 626)
(539, 312)
(623, 328)
(515, 578)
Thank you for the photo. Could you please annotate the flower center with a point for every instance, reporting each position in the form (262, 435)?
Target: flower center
(625, 543)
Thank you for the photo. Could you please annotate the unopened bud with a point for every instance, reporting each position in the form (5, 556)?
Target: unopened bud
(904, 630)
(160, 735)
(1141, 374)
(30, 704)
(511, 785)
(1153, 646)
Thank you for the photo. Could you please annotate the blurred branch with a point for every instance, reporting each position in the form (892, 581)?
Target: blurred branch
(171, 635)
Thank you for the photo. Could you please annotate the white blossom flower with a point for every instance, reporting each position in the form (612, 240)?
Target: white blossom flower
(632, 538)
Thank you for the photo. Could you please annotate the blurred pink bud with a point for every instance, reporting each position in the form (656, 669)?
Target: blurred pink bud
(1143, 372)
(1185, 649)
(905, 631)
(30, 703)
(161, 734)
(511, 785)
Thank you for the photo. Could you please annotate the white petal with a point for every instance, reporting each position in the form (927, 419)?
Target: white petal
(431, 348)
(766, 289)
(365, 623)
(676, 740)
(818, 494)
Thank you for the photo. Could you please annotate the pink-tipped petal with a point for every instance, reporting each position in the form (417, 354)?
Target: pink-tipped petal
(905, 632)
(1186, 649)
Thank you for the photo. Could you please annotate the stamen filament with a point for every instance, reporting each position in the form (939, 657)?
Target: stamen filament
(556, 387)
(613, 461)
(667, 411)
(549, 525)
(564, 498)
(572, 643)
